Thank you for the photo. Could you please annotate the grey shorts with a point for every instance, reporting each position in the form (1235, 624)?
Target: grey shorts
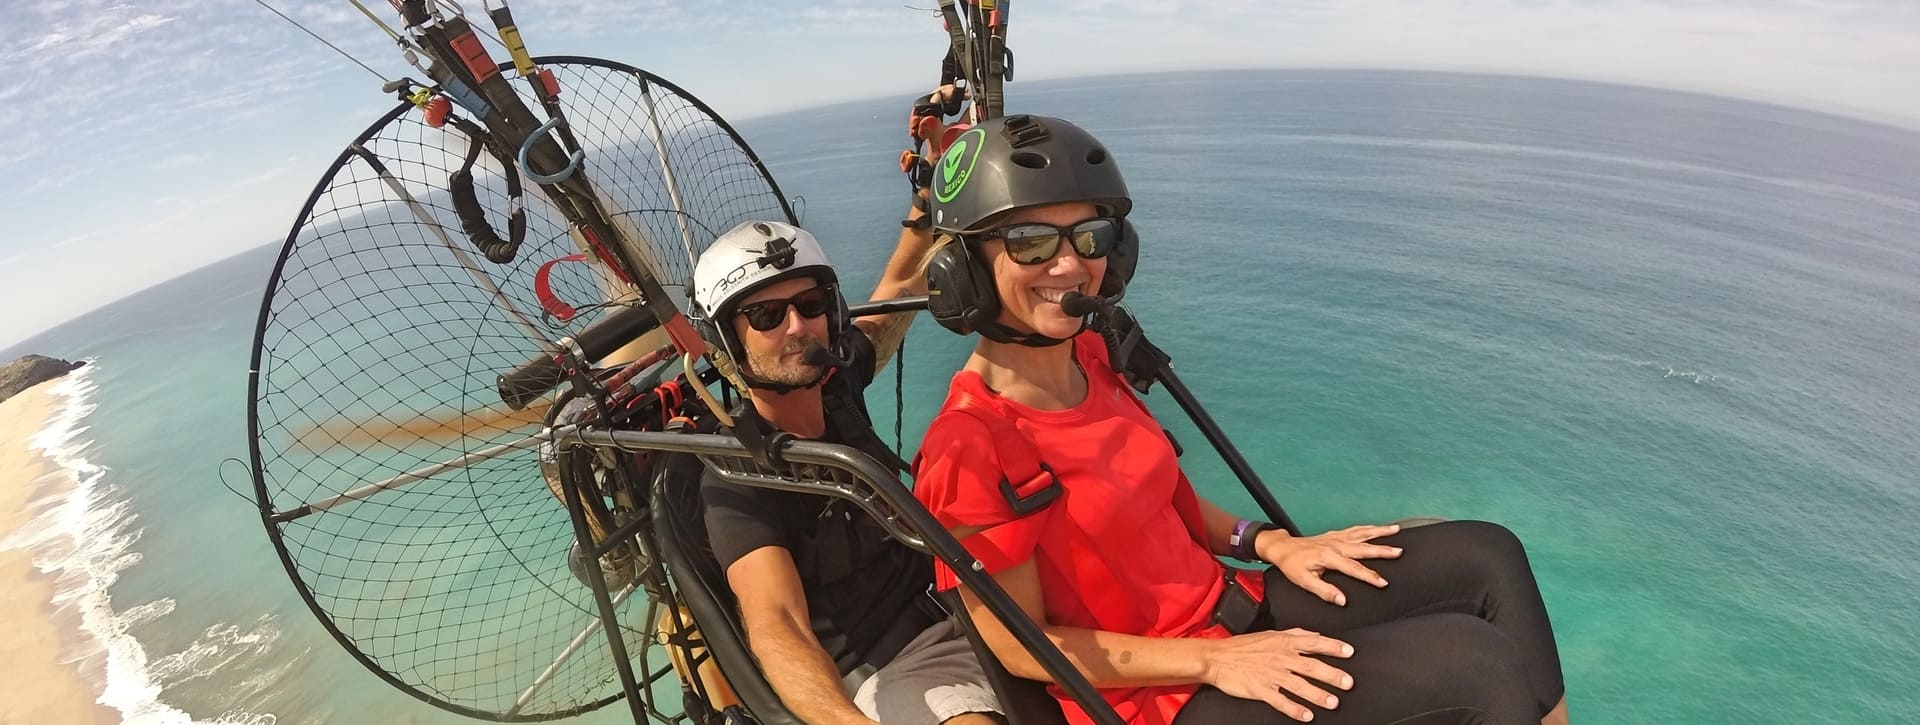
(934, 679)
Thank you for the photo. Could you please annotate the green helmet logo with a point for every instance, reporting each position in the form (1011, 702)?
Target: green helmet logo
(956, 166)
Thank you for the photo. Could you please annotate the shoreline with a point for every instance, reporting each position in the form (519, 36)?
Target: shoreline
(37, 686)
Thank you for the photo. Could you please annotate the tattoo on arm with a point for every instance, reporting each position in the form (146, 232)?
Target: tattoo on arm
(888, 334)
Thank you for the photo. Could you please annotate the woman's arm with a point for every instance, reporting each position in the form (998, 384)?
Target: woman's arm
(1220, 525)
(1107, 659)
(1255, 666)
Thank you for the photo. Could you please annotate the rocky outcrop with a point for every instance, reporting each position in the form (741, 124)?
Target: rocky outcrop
(29, 371)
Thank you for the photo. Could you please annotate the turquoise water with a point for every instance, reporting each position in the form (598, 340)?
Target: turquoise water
(1666, 338)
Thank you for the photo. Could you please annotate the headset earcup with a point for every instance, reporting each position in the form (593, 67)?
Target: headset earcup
(1121, 263)
(985, 305)
(949, 284)
(960, 292)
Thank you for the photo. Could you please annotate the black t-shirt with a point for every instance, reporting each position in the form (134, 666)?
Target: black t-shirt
(858, 581)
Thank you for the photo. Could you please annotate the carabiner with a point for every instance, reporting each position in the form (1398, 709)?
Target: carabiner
(573, 162)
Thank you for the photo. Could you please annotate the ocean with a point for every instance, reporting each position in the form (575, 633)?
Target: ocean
(1666, 338)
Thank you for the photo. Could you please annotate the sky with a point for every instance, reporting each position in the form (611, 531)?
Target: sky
(143, 139)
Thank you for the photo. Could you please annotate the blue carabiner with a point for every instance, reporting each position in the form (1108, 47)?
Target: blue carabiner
(573, 162)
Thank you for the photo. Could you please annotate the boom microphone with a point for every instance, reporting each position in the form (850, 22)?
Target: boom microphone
(818, 355)
(1079, 305)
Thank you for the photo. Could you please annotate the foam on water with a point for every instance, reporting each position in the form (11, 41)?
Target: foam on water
(83, 535)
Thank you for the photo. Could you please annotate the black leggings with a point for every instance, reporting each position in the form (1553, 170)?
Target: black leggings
(1459, 635)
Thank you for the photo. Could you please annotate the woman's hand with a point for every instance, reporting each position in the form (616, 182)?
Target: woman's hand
(1303, 560)
(1260, 665)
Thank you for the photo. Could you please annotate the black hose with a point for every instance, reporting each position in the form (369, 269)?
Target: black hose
(466, 202)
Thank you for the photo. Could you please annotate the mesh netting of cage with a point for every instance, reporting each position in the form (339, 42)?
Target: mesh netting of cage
(379, 342)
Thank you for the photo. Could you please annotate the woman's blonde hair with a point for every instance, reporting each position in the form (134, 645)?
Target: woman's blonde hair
(940, 241)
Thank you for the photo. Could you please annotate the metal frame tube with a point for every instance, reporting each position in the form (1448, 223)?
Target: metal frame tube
(907, 511)
(411, 477)
(579, 640)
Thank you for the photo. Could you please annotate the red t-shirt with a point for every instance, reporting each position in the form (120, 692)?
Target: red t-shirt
(1123, 548)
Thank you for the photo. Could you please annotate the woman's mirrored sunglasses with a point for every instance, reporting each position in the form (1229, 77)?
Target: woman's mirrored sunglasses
(768, 314)
(1036, 242)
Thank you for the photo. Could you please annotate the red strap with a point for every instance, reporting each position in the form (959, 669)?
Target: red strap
(471, 52)
(667, 413)
(543, 289)
(1026, 481)
(606, 256)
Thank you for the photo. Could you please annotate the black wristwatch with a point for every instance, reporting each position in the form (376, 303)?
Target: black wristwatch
(926, 215)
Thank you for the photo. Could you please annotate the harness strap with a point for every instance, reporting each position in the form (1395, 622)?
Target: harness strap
(845, 416)
(1026, 481)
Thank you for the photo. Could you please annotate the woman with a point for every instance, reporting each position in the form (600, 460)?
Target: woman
(1056, 477)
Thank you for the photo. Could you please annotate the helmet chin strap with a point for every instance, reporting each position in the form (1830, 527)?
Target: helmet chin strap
(1074, 303)
(757, 383)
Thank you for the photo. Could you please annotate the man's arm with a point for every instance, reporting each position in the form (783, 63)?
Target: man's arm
(905, 276)
(773, 607)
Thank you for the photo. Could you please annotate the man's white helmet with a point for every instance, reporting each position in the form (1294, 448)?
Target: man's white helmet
(747, 258)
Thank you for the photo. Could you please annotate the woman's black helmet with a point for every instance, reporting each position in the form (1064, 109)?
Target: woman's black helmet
(1021, 161)
(1014, 163)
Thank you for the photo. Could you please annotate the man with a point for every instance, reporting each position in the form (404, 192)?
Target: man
(838, 613)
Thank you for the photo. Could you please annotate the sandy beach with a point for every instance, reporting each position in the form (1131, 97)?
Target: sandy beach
(36, 687)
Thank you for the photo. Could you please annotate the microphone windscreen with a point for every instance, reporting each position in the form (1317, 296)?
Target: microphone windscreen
(818, 356)
(1079, 305)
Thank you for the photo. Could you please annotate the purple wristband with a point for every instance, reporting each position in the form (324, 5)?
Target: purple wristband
(1245, 533)
(1238, 543)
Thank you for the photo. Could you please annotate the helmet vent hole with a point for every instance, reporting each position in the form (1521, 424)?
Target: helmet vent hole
(1029, 159)
(1096, 156)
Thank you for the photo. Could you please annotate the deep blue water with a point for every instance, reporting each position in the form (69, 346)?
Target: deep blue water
(1666, 338)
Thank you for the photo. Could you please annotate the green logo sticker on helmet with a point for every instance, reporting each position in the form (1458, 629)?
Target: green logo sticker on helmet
(956, 166)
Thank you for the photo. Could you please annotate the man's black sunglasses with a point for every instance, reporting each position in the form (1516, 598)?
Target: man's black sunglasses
(768, 314)
(1036, 242)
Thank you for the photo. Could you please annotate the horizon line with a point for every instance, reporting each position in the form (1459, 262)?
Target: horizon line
(1884, 119)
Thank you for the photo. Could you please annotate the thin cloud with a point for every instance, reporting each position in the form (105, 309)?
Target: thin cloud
(179, 161)
(159, 69)
(72, 240)
(191, 102)
(94, 34)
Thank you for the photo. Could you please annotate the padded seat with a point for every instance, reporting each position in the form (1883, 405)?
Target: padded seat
(680, 524)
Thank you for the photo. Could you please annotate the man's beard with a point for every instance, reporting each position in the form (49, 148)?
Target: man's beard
(770, 367)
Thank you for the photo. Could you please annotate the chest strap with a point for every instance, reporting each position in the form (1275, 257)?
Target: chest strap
(1026, 482)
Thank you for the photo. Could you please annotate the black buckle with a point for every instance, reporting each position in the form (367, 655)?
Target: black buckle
(1023, 505)
(1237, 610)
(765, 446)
